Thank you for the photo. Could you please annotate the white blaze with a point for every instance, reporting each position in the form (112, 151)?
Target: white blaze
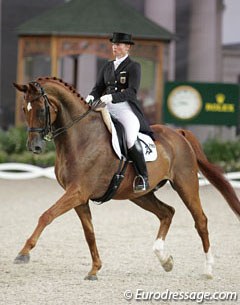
(29, 106)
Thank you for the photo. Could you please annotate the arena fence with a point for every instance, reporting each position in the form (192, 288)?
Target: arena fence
(20, 171)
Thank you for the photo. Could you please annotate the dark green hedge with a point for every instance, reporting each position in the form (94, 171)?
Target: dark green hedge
(224, 153)
(13, 149)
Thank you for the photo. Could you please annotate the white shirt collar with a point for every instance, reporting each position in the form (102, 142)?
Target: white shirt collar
(121, 59)
(118, 61)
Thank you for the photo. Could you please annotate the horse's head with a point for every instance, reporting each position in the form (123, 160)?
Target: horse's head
(39, 115)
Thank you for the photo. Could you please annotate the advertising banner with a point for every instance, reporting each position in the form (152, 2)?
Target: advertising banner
(201, 103)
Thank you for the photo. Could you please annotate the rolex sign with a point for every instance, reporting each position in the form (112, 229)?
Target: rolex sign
(201, 103)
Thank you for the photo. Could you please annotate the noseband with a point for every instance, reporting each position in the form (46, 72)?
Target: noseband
(47, 131)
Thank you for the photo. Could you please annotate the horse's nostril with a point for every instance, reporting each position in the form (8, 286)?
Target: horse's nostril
(37, 149)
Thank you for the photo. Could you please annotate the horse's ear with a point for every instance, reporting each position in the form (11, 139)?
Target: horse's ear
(22, 88)
(33, 88)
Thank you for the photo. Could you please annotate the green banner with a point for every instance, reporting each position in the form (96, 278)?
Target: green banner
(201, 103)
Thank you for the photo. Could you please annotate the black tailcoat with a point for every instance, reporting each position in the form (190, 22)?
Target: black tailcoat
(123, 84)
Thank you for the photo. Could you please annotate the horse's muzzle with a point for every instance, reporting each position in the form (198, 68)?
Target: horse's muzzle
(35, 144)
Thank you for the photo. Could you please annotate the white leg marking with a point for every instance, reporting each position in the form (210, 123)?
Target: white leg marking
(165, 260)
(158, 249)
(209, 262)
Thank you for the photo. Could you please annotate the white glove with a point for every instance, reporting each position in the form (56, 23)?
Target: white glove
(89, 98)
(106, 98)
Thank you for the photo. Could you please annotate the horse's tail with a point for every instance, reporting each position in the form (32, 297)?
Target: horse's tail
(213, 173)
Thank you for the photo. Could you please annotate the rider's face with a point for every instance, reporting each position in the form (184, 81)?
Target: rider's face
(120, 49)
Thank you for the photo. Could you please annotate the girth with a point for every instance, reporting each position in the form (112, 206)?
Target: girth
(120, 173)
(115, 182)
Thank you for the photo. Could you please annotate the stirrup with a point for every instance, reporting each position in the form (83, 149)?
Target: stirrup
(140, 184)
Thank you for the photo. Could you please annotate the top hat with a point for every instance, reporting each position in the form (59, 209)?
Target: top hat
(121, 38)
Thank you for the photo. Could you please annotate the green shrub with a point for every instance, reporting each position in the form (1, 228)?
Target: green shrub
(226, 154)
(3, 140)
(3, 156)
(45, 160)
(50, 147)
(14, 140)
(13, 149)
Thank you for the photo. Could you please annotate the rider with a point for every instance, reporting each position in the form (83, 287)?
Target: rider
(117, 85)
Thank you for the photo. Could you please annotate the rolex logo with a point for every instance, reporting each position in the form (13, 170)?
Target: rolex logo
(220, 106)
(220, 98)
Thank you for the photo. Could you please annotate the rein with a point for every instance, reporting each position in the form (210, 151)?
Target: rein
(48, 133)
(63, 129)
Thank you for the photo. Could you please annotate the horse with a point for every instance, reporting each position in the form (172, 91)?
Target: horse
(86, 162)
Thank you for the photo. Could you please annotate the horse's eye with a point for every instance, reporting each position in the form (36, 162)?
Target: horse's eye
(24, 109)
(41, 113)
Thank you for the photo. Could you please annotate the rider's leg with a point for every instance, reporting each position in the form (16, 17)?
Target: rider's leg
(136, 154)
(130, 122)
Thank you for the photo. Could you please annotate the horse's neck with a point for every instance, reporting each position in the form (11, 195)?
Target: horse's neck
(89, 131)
(83, 146)
(69, 108)
(84, 136)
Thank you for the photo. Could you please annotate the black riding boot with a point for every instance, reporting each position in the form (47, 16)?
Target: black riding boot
(140, 183)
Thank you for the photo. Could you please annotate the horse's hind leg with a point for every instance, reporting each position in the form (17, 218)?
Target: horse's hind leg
(84, 214)
(189, 193)
(165, 214)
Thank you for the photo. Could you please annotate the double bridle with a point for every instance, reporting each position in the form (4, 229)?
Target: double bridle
(47, 131)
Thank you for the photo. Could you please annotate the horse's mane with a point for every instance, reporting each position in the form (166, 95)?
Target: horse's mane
(65, 84)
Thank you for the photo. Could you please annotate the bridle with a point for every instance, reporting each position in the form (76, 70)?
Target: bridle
(47, 131)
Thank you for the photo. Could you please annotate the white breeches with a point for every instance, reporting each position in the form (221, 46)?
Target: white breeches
(125, 115)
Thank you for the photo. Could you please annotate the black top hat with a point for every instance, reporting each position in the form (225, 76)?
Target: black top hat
(121, 38)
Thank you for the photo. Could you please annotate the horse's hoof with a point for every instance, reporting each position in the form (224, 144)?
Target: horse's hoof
(208, 272)
(90, 277)
(22, 259)
(208, 276)
(168, 264)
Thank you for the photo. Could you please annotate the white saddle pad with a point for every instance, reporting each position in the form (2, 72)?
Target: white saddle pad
(149, 148)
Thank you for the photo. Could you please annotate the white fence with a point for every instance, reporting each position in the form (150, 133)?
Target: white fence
(18, 171)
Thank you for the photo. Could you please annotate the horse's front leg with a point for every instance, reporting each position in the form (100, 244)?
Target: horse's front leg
(85, 216)
(69, 200)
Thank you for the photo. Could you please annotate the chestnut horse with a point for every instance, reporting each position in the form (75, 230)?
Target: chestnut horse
(86, 163)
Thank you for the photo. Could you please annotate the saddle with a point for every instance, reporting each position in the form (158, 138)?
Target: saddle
(119, 145)
(124, 161)
(118, 140)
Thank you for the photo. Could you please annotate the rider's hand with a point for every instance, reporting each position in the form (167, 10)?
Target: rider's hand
(89, 98)
(106, 98)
